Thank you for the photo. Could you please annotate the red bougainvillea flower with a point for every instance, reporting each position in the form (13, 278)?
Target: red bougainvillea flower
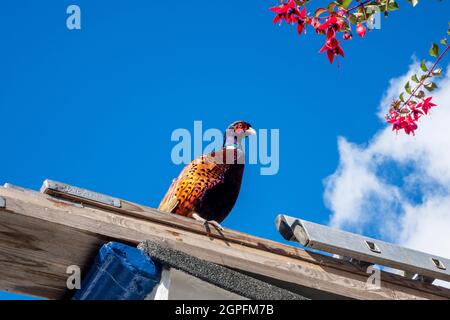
(409, 125)
(392, 117)
(286, 11)
(347, 35)
(301, 18)
(360, 30)
(314, 23)
(426, 105)
(332, 46)
(416, 112)
(333, 22)
(395, 120)
(402, 123)
(341, 13)
(290, 12)
(405, 117)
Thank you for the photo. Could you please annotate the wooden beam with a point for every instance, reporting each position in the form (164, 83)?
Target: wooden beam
(41, 235)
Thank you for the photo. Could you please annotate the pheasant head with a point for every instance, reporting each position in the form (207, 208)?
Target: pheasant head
(236, 132)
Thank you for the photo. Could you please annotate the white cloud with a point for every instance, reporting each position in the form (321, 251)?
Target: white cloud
(398, 186)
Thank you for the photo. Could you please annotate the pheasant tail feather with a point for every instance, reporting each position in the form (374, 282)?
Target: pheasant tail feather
(170, 201)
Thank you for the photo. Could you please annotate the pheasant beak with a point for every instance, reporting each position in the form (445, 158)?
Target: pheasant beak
(250, 132)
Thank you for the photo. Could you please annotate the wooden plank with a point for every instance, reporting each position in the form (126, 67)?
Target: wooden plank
(34, 256)
(298, 269)
(146, 213)
(180, 222)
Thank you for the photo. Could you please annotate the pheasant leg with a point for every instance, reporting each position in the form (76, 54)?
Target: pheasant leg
(207, 222)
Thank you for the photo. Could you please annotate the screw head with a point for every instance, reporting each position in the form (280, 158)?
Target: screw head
(2, 202)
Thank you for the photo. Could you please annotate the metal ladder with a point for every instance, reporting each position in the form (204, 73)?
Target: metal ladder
(364, 251)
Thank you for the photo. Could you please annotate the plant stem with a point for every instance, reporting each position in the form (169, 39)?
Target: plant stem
(351, 9)
(358, 5)
(421, 83)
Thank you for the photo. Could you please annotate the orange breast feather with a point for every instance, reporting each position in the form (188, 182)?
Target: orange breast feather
(194, 181)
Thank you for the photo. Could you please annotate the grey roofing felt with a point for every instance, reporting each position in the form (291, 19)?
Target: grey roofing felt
(218, 275)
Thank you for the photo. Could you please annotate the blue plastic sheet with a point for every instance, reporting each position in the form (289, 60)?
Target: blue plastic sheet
(120, 272)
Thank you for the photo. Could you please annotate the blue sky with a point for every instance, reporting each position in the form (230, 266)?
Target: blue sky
(96, 107)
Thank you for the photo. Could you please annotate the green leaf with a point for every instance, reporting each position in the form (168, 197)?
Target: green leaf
(408, 87)
(353, 19)
(414, 78)
(346, 3)
(444, 42)
(423, 66)
(420, 94)
(434, 50)
(413, 2)
(370, 8)
(401, 97)
(319, 11)
(430, 86)
(437, 72)
(331, 7)
(393, 6)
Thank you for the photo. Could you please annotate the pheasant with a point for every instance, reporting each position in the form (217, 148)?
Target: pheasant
(208, 187)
